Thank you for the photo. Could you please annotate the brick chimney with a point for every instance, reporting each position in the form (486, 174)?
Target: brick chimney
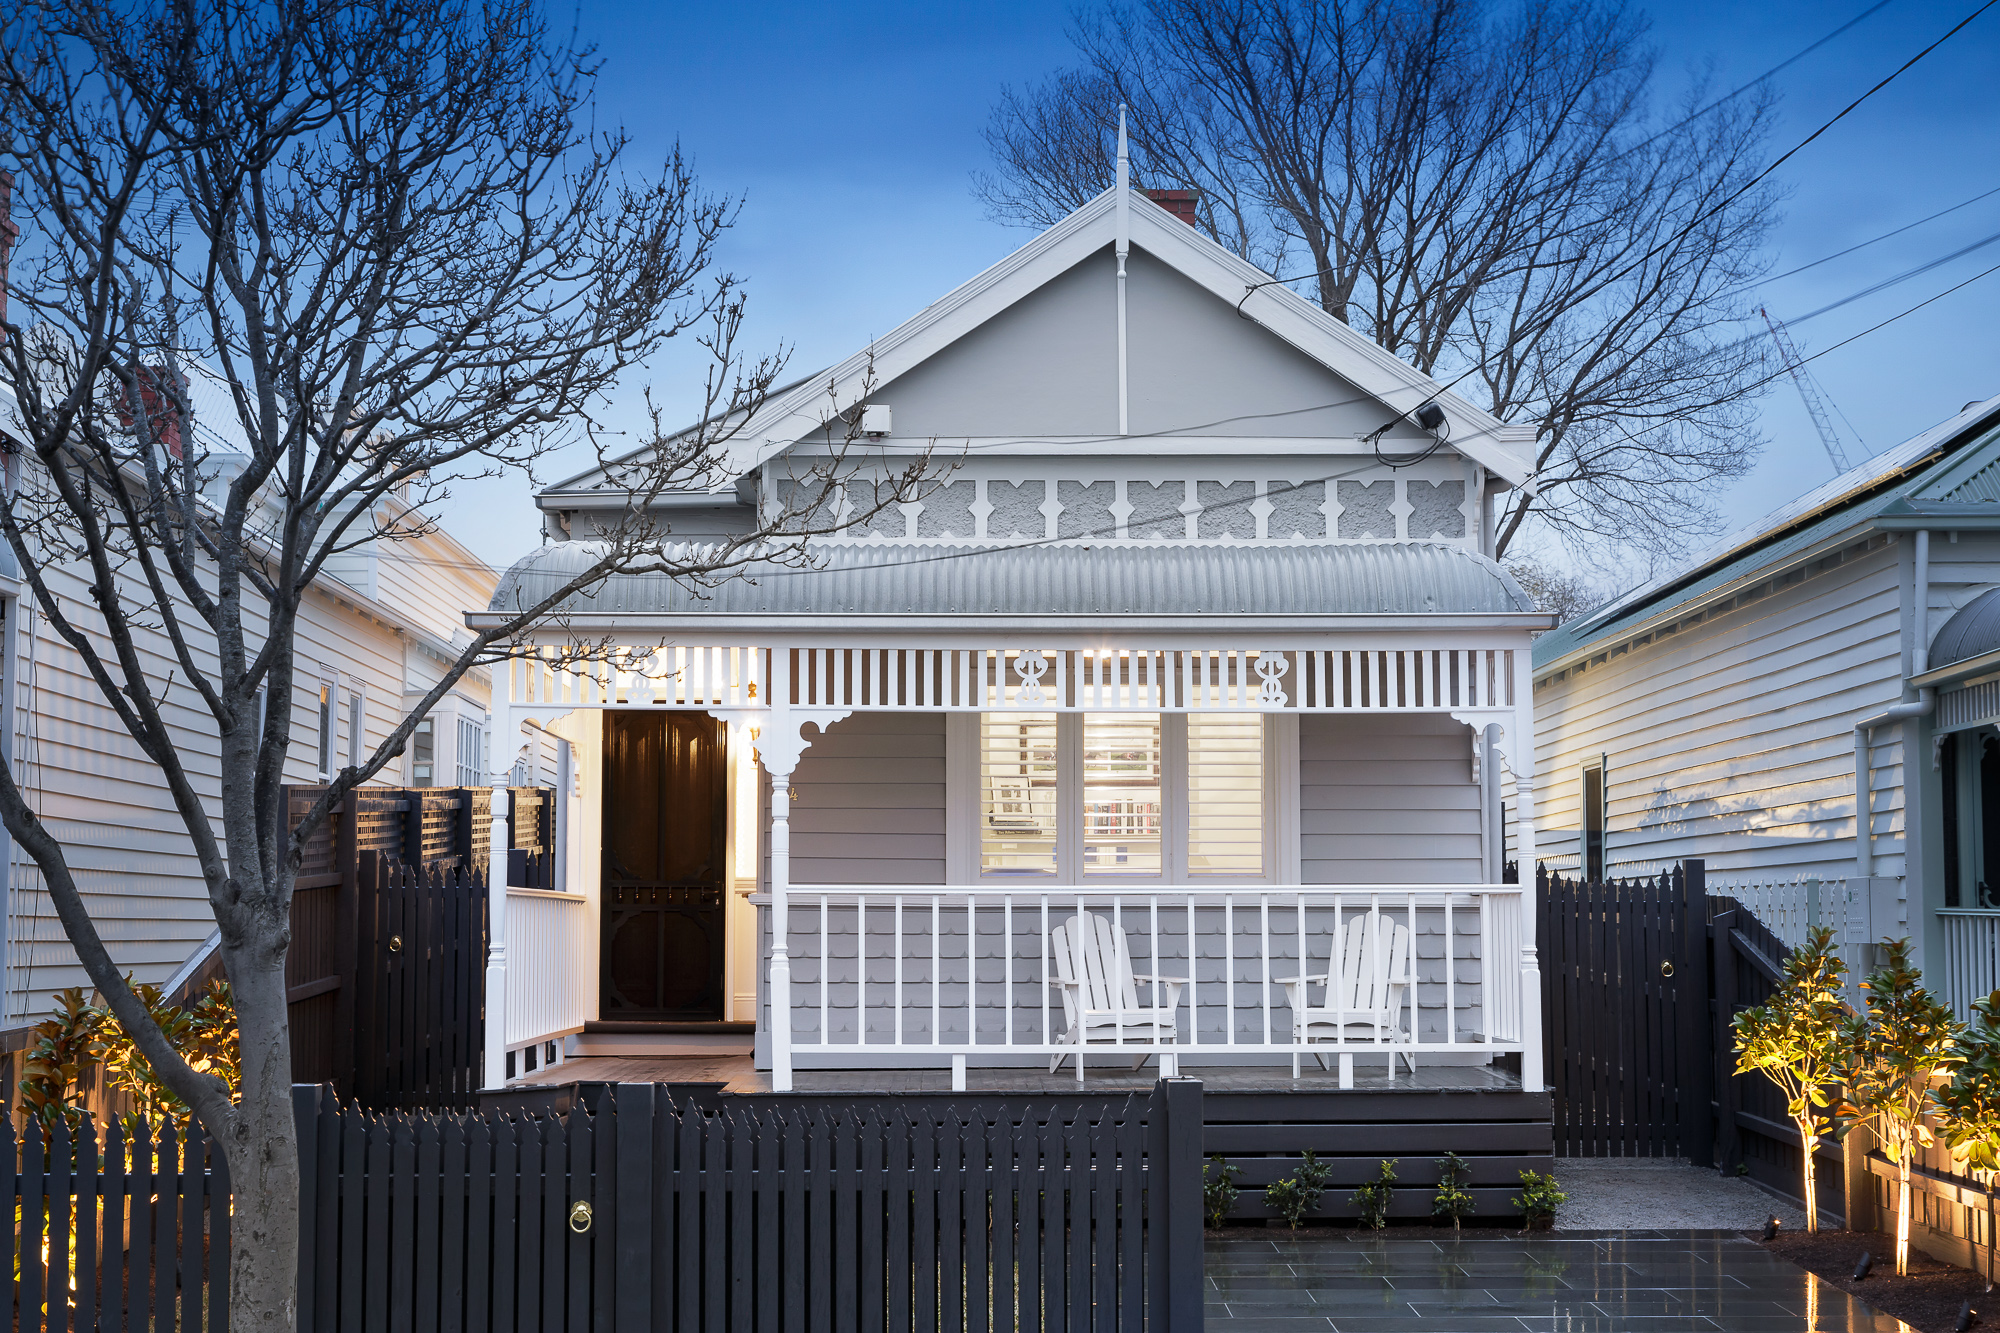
(1178, 202)
(8, 231)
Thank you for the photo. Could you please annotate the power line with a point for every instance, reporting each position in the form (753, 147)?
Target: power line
(1862, 245)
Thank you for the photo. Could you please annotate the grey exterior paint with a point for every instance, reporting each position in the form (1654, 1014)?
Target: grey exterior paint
(1402, 578)
(1387, 800)
(869, 803)
(1048, 366)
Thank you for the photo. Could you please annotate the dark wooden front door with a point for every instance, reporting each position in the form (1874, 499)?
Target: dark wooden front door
(664, 807)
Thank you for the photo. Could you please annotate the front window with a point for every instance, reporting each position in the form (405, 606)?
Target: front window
(1095, 796)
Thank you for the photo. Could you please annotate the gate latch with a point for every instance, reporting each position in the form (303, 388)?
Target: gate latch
(579, 1217)
(1666, 967)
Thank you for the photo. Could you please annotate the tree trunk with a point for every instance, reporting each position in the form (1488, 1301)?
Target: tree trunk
(1903, 1216)
(1809, 1141)
(263, 1153)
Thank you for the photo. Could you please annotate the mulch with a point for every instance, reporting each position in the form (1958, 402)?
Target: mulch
(1928, 1299)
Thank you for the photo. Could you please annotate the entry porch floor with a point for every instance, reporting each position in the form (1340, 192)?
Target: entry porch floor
(740, 1078)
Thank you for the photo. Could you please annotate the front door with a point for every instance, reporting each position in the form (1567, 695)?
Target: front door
(664, 830)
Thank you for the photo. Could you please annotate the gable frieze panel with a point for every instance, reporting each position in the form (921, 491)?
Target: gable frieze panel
(1196, 507)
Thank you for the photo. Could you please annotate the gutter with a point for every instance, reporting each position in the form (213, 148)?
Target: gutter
(1864, 796)
(769, 627)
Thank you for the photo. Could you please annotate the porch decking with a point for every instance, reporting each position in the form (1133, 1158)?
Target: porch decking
(739, 1078)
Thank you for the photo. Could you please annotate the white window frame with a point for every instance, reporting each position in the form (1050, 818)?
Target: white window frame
(323, 736)
(1281, 856)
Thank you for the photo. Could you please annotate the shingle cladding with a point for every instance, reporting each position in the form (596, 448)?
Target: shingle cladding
(1958, 455)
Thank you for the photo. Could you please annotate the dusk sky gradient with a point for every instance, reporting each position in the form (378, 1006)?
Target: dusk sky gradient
(852, 132)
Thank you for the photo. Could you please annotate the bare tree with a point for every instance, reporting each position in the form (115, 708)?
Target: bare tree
(1485, 190)
(390, 240)
(1565, 594)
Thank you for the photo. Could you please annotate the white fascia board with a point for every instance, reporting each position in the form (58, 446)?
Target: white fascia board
(1477, 434)
(976, 630)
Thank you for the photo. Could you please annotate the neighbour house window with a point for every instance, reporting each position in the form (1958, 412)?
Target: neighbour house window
(325, 731)
(1098, 796)
(1970, 766)
(471, 753)
(1591, 839)
(357, 726)
(423, 753)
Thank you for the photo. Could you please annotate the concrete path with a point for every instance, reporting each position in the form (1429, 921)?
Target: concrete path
(1626, 1193)
(1403, 1281)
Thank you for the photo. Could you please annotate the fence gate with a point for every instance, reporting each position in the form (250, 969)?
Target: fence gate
(1626, 1015)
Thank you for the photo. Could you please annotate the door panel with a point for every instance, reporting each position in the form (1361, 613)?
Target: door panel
(664, 824)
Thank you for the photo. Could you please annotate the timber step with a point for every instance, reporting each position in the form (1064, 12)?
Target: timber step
(622, 1038)
(670, 1029)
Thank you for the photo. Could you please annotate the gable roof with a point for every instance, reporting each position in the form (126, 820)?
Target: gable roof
(789, 415)
(1951, 471)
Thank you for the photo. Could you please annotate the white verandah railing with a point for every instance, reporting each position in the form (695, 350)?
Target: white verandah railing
(952, 973)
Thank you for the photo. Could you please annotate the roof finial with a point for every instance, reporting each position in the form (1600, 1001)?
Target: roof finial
(1124, 194)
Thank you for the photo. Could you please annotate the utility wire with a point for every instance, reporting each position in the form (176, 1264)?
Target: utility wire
(1862, 245)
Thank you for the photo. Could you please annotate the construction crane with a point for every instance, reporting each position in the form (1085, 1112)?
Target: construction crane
(1809, 391)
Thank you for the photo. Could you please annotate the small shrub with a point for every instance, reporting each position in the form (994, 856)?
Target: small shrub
(1798, 1039)
(65, 1045)
(1218, 1192)
(1453, 1199)
(1539, 1198)
(1374, 1197)
(1299, 1193)
(1907, 1040)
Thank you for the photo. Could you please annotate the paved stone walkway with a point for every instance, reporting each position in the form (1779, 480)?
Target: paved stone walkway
(1319, 1279)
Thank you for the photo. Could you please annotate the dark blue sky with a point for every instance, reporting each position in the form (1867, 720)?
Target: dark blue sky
(852, 131)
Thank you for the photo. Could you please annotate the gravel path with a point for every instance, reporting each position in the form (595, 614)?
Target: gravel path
(1618, 1193)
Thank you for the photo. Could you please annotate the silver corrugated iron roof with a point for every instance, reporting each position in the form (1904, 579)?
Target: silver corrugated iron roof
(1395, 578)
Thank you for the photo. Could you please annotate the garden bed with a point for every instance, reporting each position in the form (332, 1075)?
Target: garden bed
(1928, 1299)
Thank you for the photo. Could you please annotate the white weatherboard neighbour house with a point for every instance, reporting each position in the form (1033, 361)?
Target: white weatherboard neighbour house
(1733, 709)
(374, 634)
(1198, 635)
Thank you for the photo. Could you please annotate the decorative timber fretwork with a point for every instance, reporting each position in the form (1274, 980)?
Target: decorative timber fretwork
(548, 680)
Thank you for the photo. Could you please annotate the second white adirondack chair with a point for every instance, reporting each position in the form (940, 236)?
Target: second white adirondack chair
(1100, 992)
(1364, 989)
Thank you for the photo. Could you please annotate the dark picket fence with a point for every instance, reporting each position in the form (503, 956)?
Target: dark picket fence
(421, 943)
(115, 1231)
(1626, 1015)
(383, 853)
(636, 1215)
(645, 1216)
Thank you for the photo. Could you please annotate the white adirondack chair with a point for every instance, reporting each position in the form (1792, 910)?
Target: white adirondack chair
(1371, 956)
(1100, 993)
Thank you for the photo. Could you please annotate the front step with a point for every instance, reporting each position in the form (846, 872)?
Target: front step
(640, 1039)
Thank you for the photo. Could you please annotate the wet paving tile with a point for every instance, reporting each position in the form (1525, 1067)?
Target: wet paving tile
(1611, 1282)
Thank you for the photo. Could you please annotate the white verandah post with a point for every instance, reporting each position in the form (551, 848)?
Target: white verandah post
(496, 894)
(1523, 759)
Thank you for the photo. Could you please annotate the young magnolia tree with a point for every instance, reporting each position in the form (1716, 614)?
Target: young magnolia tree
(386, 246)
(1907, 1040)
(1798, 1039)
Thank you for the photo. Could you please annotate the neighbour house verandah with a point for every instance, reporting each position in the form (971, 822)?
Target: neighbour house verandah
(1139, 734)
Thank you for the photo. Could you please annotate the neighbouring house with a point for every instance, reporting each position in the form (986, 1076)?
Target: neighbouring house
(375, 633)
(1841, 655)
(1199, 635)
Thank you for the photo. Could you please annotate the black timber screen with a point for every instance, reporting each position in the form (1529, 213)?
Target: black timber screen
(1627, 1028)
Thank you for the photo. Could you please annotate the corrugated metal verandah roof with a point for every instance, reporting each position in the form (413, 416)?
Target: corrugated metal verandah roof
(1375, 578)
